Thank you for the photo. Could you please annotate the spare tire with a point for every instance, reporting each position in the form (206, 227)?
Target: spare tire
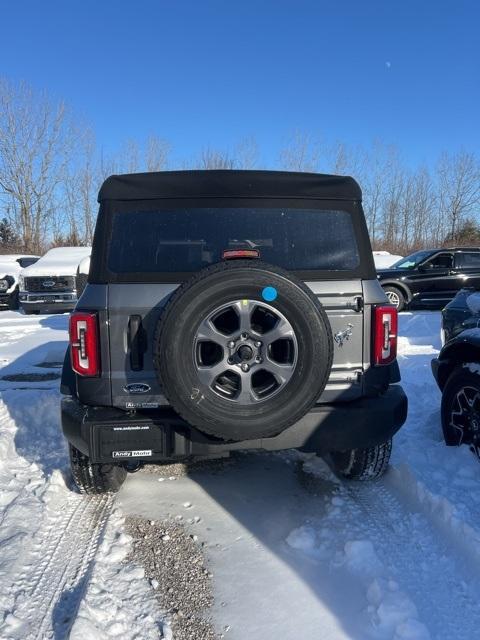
(243, 350)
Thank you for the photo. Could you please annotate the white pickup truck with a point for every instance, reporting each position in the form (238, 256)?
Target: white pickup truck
(50, 285)
(384, 259)
(10, 267)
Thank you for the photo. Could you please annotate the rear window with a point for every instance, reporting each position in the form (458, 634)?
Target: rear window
(186, 240)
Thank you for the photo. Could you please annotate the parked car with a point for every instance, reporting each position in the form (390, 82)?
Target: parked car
(384, 259)
(10, 268)
(430, 278)
(50, 286)
(457, 370)
(229, 310)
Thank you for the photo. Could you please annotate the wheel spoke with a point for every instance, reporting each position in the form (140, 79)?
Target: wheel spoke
(460, 429)
(463, 402)
(246, 395)
(476, 401)
(282, 372)
(206, 331)
(246, 351)
(393, 298)
(208, 375)
(282, 329)
(244, 310)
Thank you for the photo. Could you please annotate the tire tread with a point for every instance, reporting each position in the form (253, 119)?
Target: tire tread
(94, 479)
(363, 464)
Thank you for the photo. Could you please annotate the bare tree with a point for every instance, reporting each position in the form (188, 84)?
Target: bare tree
(459, 188)
(422, 209)
(129, 159)
(71, 221)
(373, 185)
(215, 159)
(301, 153)
(156, 153)
(90, 180)
(247, 153)
(36, 145)
(343, 159)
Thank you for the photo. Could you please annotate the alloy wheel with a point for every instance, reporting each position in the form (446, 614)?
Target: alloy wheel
(245, 351)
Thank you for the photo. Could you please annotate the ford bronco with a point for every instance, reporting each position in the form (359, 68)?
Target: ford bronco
(230, 310)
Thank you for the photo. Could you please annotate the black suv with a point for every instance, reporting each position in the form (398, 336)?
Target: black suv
(230, 310)
(457, 370)
(430, 278)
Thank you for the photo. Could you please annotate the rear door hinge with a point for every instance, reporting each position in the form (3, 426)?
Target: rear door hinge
(357, 304)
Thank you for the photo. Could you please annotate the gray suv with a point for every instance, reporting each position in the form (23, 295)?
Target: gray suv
(230, 310)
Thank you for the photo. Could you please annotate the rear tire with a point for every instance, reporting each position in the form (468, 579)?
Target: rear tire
(461, 408)
(362, 464)
(396, 297)
(94, 479)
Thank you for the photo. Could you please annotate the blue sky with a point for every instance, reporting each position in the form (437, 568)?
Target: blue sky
(208, 73)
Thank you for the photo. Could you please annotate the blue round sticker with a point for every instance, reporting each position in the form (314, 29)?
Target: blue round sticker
(269, 294)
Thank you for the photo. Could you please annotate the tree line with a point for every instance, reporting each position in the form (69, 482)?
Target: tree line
(51, 169)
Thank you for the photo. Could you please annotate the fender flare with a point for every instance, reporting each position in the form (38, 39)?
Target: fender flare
(399, 285)
(465, 347)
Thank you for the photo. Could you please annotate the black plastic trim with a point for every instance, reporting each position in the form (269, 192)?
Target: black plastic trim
(335, 427)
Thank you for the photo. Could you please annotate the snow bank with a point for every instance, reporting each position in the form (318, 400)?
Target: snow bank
(26, 496)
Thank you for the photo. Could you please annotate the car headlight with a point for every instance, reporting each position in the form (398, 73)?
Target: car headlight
(442, 336)
(21, 283)
(3, 285)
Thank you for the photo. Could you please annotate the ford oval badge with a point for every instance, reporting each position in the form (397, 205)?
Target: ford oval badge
(137, 387)
(48, 283)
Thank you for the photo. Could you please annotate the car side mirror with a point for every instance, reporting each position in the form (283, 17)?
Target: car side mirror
(423, 267)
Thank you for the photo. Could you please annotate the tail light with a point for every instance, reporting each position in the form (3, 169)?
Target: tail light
(84, 344)
(385, 335)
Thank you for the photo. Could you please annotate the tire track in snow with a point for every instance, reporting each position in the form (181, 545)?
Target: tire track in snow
(46, 581)
(419, 557)
(62, 558)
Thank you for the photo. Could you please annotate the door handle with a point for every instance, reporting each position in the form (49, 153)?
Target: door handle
(136, 342)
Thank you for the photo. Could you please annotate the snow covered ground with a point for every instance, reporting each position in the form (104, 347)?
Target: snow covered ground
(294, 552)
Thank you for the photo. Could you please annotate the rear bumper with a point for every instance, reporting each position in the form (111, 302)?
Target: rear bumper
(106, 434)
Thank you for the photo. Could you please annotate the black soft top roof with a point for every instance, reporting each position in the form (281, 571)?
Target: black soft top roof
(228, 183)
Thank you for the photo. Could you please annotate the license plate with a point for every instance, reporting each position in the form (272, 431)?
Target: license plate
(48, 299)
